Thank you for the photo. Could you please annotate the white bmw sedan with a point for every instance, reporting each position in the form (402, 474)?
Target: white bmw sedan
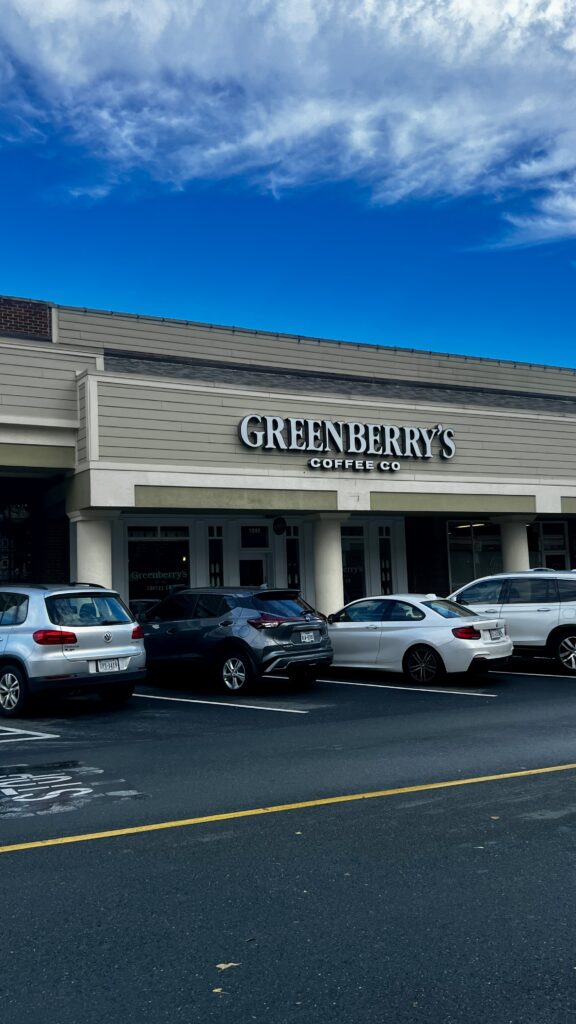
(421, 635)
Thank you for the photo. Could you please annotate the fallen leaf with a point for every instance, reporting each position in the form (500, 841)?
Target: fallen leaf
(217, 989)
(495, 817)
(224, 967)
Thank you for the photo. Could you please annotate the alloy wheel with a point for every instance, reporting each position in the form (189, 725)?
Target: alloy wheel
(567, 653)
(10, 690)
(422, 665)
(234, 673)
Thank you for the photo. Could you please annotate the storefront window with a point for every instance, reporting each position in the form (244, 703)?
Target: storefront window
(548, 545)
(475, 549)
(254, 536)
(353, 564)
(156, 562)
(385, 553)
(215, 556)
(293, 557)
(15, 543)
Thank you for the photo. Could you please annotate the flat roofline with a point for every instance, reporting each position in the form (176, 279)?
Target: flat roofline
(308, 339)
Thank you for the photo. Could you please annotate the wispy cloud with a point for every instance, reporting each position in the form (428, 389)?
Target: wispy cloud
(414, 98)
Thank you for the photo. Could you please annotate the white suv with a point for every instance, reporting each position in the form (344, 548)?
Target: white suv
(539, 607)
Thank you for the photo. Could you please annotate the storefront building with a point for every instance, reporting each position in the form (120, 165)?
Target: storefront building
(146, 453)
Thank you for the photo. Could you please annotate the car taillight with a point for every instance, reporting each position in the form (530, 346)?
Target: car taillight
(467, 633)
(267, 621)
(137, 633)
(53, 637)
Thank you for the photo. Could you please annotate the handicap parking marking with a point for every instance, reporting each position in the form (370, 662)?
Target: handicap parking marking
(10, 735)
(29, 790)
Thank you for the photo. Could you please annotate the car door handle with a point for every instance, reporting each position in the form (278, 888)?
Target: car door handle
(227, 622)
(543, 609)
(372, 627)
(172, 630)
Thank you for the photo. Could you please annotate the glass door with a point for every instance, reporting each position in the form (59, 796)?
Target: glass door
(252, 572)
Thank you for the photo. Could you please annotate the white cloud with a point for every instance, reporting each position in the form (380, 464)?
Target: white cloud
(416, 98)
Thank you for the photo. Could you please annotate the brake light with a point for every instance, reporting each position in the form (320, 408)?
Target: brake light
(467, 633)
(267, 621)
(53, 637)
(137, 633)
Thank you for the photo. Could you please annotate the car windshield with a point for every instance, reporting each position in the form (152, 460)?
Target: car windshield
(449, 609)
(77, 609)
(286, 606)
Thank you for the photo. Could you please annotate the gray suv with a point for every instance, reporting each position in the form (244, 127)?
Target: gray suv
(538, 606)
(75, 638)
(237, 634)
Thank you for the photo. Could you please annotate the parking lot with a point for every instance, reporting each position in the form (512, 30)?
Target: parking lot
(357, 850)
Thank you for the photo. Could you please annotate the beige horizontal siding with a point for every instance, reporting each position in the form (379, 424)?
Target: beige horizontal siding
(148, 424)
(221, 344)
(39, 382)
(82, 438)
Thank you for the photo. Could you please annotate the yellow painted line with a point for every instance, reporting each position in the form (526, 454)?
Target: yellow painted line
(302, 805)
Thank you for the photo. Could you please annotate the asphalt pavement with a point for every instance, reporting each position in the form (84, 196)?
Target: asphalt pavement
(374, 852)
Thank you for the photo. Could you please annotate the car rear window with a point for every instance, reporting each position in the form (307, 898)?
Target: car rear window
(287, 606)
(449, 609)
(77, 609)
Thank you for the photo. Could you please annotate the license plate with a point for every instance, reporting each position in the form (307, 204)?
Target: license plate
(308, 638)
(110, 665)
(496, 634)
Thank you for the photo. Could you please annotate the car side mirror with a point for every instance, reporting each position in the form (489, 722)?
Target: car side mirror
(331, 619)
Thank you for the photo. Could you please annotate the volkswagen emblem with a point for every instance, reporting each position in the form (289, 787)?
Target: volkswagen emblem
(107, 638)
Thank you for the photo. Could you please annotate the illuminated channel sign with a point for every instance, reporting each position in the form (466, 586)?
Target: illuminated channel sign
(341, 445)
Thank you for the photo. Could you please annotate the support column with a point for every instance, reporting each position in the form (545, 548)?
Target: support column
(515, 552)
(93, 561)
(328, 575)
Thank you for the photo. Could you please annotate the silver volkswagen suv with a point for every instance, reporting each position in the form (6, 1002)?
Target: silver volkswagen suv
(538, 606)
(74, 638)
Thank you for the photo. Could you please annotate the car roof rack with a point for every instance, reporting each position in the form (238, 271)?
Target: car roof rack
(83, 583)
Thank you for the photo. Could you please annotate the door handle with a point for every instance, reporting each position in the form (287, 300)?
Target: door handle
(490, 611)
(543, 609)
(227, 622)
(372, 627)
(172, 630)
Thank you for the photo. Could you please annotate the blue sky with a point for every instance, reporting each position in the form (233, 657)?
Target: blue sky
(400, 172)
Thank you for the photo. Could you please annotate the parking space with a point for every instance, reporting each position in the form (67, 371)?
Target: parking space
(183, 750)
(180, 752)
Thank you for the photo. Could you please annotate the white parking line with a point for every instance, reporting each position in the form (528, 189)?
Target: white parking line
(221, 704)
(416, 689)
(23, 735)
(537, 675)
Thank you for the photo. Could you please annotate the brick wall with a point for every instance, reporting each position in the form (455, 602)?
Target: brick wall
(22, 318)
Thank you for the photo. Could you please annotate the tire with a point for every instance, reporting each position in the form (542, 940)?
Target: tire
(235, 672)
(423, 665)
(14, 692)
(117, 697)
(563, 650)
